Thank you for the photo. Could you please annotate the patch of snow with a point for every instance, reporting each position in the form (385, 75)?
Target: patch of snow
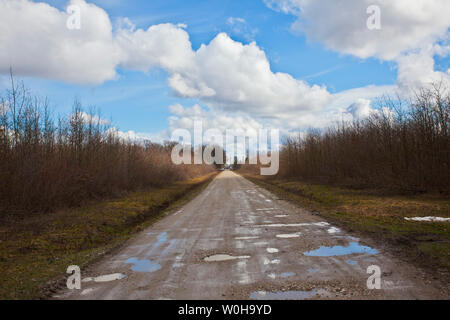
(428, 219)
(333, 230)
(286, 236)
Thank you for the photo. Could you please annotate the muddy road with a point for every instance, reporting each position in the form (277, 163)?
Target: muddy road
(238, 241)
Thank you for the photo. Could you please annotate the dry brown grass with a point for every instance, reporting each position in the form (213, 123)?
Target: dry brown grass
(35, 249)
(379, 216)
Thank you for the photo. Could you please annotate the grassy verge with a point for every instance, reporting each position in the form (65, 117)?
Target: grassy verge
(379, 216)
(35, 249)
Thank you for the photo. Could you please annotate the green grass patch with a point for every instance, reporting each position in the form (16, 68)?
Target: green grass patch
(36, 248)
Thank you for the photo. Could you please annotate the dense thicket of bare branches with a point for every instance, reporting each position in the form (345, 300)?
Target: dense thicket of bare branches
(405, 146)
(46, 164)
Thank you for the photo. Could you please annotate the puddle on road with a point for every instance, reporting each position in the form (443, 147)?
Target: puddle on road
(351, 262)
(282, 295)
(321, 224)
(244, 276)
(272, 250)
(281, 216)
(261, 243)
(353, 247)
(105, 278)
(428, 219)
(287, 274)
(143, 265)
(287, 236)
(161, 239)
(280, 225)
(223, 257)
(267, 261)
(246, 238)
(333, 230)
(313, 270)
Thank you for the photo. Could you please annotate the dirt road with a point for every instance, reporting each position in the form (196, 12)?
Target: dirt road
(238, 241)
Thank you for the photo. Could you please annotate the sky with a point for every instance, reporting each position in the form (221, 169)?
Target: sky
(152, 66)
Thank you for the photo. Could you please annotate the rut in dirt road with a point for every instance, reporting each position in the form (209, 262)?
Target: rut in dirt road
(237, 241)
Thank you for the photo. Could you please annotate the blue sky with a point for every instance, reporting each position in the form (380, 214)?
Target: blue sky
(140, 101)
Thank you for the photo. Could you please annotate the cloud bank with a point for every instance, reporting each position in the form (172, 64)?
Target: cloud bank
(341, 24)
(411, 33)
(233, 79)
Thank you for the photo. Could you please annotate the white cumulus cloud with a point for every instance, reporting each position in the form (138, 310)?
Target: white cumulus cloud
(341, 25)
(411, 33)
(236, 77)
(417, 69)
(35, 41)
(233, 79)
(360, 109)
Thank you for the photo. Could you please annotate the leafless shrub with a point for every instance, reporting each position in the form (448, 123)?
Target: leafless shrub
(405, 146)
(45, 164)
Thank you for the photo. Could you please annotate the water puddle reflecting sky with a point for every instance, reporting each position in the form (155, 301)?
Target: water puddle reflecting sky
(105, 278)
(143, 265)
(223, 257)
(352, 248)
(287, 274)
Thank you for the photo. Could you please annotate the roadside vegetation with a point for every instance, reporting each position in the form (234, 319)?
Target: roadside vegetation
(367, 176)
(35, 249)
(404, 147)
(48, 163)
(72, 187)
